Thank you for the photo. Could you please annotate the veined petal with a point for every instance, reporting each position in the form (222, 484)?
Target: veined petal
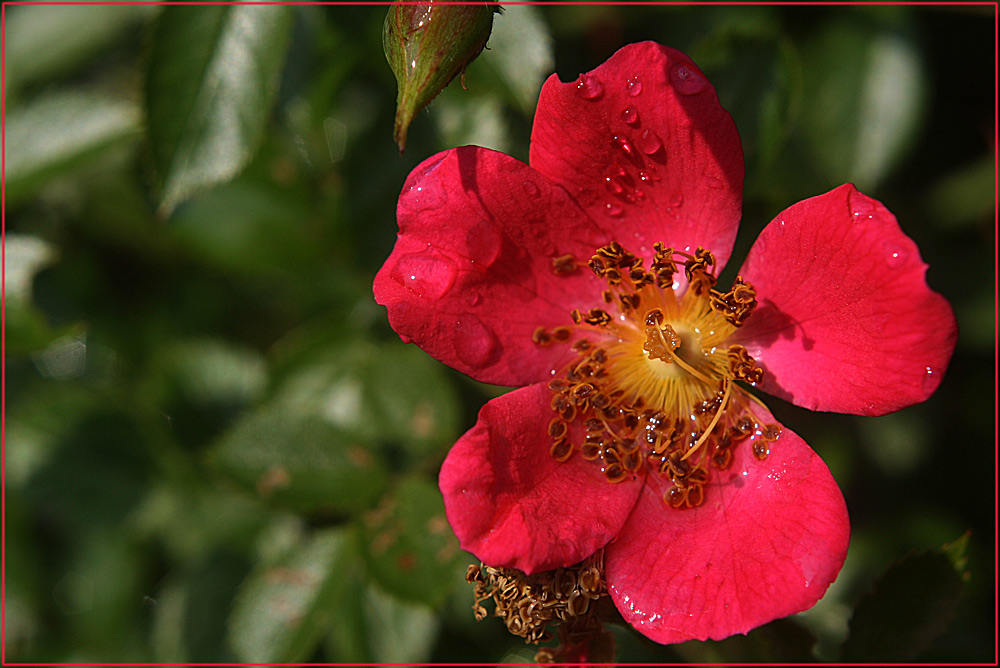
(643, 144)
(769, 539)
(473, 272)
(513, 505)
(846, 321)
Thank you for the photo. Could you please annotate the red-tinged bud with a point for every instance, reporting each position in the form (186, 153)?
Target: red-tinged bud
(427, 44)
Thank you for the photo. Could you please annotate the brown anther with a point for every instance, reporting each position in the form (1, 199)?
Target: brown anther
(597, 317)
(675, 497)
(558, 385)
(630, 302)
(591, 450)
(654, 317)
(582, 391)
(557, 428)
(742, 366)
(608, 296)
(562, 334)
(615, 472)
(581, 345)
(474, 574)
(564, 264)
(737, 304)
(770, 432)
(541, 336)
(761, 449)
(722, 458)
(576, 316)
(632, 461)
(561, 450)
(695, 496)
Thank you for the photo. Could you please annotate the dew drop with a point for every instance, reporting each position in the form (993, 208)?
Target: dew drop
(623, 144)
(475, 344)
(630, 116)
(862, 208)
(613, 210)
(530, 188)
(895, 256)
(613, 185)
(648, 142)
(686, 80)
(676, 200)
(634, 87)
(931, 379)
(589, 87)
(644, 176)
(483, 243)
(429, 274)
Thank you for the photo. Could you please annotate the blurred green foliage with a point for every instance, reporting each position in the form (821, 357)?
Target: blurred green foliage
(217, 450)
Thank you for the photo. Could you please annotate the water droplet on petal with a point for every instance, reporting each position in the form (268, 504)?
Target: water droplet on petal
(614, 185)
(613, 210)
(483, 243)
(589, 87)
(429, 274)
(475, 344)
(931, 379)
(648, 142)
(895, 256)
(862, 208)
(676, 200)
(634, 86)
(623, 144)
(644, 176)
(530, 188)
(686, 80)
(630, 115)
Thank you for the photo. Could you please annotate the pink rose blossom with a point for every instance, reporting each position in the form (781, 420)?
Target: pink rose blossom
(587, 279)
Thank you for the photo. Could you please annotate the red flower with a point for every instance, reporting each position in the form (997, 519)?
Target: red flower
(634, 431)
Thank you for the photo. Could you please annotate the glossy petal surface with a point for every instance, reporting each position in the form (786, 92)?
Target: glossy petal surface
(471, 275)
(767, 542)
(512, 505)
(643, 144)
(846, 321)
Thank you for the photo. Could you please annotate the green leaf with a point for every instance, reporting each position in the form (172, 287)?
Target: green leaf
(43, 41)
(59, 132)
(373, 626)
(909, 606)
(864, 99)
(282, 610)
(391, 392)
(212, 81)
(299, 460)
(409, 547)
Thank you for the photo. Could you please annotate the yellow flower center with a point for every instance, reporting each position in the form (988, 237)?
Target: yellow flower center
(653, 381)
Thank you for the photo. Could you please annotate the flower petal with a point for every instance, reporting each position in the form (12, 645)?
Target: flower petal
(846, 321)
(513, 505)
(643, 144)
(472, 276)
(767, 542)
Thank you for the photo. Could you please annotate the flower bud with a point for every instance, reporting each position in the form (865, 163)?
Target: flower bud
(426, 45)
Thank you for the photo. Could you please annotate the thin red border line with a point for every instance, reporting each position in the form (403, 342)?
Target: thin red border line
(3, 258)
(624, 3)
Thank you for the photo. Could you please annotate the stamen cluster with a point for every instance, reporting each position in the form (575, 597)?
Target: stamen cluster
(621, 411)
(529, 604)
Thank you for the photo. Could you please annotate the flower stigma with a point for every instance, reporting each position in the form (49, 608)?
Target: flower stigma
(654, 386)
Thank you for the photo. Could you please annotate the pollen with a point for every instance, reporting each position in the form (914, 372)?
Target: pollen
(654, 387)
